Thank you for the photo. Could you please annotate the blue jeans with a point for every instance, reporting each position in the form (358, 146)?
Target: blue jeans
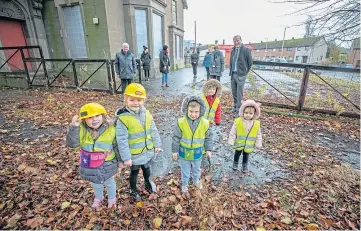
(111, 189)
(188, 166)
(164, 78)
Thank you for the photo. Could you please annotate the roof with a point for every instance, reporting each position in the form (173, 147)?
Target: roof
(300, 42)
(356, 44)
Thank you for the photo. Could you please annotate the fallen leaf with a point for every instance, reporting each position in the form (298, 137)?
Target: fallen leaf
(127, 222)
(312, 226)
(157, 222)
(3, 131)
(260, 229)
(185, 220)
(304, 213)
(178, 208)
(13, 220)
(52, 162)
(135, 214)
(172, 198)
(140, 204)
(35, 222)
(286, 220)
(65, 204)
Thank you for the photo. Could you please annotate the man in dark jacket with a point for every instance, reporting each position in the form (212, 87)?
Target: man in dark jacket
(146, 58)
(194, 61)
(240, 64)
(125, 66)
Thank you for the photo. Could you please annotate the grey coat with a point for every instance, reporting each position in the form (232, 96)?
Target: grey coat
(194, 59)
(164, 62)
(125, 65)
(95, 175)
(217, 63)
(146, 58)
(244, 62)
(122, 137)
(193, 124)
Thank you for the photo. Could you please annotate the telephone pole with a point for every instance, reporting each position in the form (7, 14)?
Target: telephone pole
(195, 34)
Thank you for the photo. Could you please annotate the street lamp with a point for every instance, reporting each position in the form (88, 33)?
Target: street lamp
(283, 41)
(266, 49)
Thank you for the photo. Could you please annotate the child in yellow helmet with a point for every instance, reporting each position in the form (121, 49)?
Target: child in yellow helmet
(94, 136)
(137, 137)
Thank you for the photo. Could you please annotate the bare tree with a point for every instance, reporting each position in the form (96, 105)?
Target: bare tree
(336, 20)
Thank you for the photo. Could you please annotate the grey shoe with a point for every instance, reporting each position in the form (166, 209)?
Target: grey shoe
(235, 166)
(199, 185)
(244, 168)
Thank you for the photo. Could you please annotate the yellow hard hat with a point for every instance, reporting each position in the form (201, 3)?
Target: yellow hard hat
(90, 110)
(136, 90)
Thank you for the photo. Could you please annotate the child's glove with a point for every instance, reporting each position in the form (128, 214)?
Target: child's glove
(175, 155)
(157, 150)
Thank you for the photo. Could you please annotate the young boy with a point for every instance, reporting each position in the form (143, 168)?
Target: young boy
(212, 91)
(191, 138)
(137, 137)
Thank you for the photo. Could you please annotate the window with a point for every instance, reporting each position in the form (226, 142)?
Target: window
(178, 46)
(297, 58)
(141, 30)
(257, 51)
(174, 12)
(298, 48)
(321, 57)
(289, 49)
(157, 34)
(74, 32)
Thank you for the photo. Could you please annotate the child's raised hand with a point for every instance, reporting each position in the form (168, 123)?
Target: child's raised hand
(209, 154)
(175, 156)
(128, 163)
(76, 121)
(157, 150)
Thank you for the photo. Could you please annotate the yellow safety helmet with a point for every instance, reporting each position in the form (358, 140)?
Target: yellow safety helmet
(136, 90)
(90, 110)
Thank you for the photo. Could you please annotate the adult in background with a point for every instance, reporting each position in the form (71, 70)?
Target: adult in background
(146, 58)
(217, 64)
(240, 64)
(207, 60)
(194, 61)
(164, 65)
(125, 66)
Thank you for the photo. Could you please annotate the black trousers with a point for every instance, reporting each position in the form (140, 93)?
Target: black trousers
(216, 77)
(194, 69)
(208, 75)
(134, 177)
(146, 74)
(245, 156)
(125, 83)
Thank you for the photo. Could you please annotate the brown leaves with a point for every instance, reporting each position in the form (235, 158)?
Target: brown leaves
(185, 220)
(13, 220)
(34, 222)
(157, 222)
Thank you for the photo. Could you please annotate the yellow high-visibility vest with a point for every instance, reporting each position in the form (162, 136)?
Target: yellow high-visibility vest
(104, 143)
(192, 144)
(139, 138)
(246, 141)
(210, 112)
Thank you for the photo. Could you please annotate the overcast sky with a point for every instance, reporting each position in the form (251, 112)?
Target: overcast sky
(254, 20)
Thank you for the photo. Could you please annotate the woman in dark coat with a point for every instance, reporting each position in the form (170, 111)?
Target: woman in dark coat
(164, 65)
(146, 59)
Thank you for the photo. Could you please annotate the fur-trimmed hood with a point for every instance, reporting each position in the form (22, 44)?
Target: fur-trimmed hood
(191, 98)
(213, 83)
(250, 103)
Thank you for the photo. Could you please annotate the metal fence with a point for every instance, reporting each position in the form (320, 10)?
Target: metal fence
(331, 90)
(85, 74)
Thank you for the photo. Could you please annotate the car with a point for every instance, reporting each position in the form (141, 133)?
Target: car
(348, 65)
(281, 68)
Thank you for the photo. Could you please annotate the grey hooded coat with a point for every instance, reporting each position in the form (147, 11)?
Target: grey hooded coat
(193, 124)
(217, 63)
(95, 175)
(122, 137)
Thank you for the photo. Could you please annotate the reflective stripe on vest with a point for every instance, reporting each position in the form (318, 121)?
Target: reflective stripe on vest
(104, 143)
(246, 141)
(192, 144)
(139, 138)
(210, 112)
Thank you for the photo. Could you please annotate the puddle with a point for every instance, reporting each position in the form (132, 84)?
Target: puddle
(344, 148)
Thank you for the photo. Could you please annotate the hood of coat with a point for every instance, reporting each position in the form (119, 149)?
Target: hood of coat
(125, 109)
(191, 98)
(213, 83)
(250, 103)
